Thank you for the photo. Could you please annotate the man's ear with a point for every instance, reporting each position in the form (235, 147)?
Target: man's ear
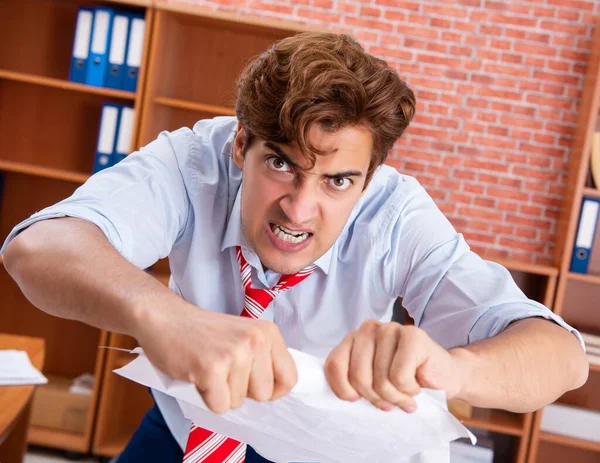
(238, 147)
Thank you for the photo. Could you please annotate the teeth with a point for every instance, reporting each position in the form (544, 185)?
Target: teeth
(288, 235)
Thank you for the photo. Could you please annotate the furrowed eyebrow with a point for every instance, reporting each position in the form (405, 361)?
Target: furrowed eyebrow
(279, 152)
(346, 174)
(282, 155)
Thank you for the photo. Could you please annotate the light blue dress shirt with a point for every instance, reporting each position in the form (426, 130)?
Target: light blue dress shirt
(179, 196)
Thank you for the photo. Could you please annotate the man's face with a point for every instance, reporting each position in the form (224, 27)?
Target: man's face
(291, 216)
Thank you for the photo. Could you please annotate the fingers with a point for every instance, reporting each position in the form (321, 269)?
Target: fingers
(378, 362)
(261, 383)
(361, 364)
(239, 376)
(214, 388)
(285, 374)
(337, 367)
(397, 387)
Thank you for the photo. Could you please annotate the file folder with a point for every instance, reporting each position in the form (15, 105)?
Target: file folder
(106, 137)
(116, 55)
(124, 134)
(135, 49)
(81, 45)
(98, 56)
(584, 240)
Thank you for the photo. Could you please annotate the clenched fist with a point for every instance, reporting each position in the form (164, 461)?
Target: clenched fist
(388, 363)
(227, 357)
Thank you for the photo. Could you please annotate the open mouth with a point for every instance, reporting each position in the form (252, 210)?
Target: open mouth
(289, 236)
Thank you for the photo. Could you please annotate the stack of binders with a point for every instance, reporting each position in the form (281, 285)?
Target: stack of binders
(107, 49)
(114, 138)
(586, 252)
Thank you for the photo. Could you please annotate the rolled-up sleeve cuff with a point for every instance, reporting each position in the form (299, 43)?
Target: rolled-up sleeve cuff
(84, 213)
(497, 318)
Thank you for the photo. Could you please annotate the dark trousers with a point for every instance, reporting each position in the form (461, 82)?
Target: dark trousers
(153, 443)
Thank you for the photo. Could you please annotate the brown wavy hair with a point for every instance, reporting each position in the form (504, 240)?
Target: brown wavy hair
(322, 78)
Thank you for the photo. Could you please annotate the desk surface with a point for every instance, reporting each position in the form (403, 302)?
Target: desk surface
(14, 399)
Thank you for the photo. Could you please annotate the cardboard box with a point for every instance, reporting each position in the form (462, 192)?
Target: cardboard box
(55, 407)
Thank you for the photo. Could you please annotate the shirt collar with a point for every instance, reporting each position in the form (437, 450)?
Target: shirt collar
(234, 235)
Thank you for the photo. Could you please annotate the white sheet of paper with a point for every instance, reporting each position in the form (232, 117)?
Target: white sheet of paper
(310, 424)
(16, 369)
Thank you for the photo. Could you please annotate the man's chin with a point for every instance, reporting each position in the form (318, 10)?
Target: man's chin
(285, 265)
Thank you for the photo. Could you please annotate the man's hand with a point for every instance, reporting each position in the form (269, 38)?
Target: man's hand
(388, 363)
(227, 357)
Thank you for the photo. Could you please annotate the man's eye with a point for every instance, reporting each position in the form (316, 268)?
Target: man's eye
(340, 183)
(278, 164)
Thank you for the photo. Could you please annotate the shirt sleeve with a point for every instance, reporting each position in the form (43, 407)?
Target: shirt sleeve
(452, 293)
(140, 204)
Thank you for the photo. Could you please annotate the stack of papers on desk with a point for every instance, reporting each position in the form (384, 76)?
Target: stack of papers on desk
(16, 369)
(310, 424)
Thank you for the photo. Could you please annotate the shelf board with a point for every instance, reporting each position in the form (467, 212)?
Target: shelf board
(55, 438)
(140, 3)
(570, 441)
(276, 25)
(594, 279)
(591, 192)
(191, 106)
(47, 172)
(65, 85)
(524, 267)
(498, 421)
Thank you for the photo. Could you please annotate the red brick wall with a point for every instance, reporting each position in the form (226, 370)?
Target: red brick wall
(498, 85)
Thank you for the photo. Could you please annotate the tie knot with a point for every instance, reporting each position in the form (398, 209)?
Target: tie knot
(257, 300)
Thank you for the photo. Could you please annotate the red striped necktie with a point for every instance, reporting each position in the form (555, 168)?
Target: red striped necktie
(210, 447)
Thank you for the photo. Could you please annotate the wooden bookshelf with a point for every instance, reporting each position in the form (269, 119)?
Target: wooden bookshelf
(44, 172)
(48, 135)
(502, 422)
(198, 107)
(576, 294)
(65, 85)
(570, 441)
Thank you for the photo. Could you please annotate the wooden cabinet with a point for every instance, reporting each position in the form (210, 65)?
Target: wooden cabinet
(577, 295)
(48, 134)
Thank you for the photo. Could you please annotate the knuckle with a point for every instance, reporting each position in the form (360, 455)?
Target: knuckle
(381, 387)
(240, 354)
(403, 384)
(369, 326)
(270, 328)
(333, 368)
(217, 367)
(388, 329)
(257, 339)
(411, 332)
(413, 390)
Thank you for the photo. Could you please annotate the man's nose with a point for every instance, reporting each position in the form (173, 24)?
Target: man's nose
(300, 206)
